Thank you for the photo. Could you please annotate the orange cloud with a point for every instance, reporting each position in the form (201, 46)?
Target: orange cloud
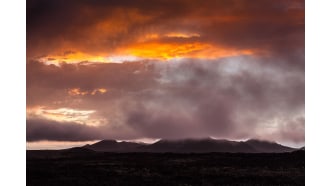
(152, 49)
(157, 30)
(149, 50)
(169, 50)
(76, 92)
(79, 92)
(164, 50)
(100, 91)
(182, 35)
(74, 57)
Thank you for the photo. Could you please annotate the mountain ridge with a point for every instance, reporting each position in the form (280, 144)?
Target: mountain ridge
(190, 145)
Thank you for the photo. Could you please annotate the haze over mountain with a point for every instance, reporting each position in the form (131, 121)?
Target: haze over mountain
(191, 146)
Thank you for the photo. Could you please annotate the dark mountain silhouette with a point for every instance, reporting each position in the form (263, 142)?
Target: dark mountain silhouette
(114, 146)
(266, 146)
(191, 146)
(78, 150)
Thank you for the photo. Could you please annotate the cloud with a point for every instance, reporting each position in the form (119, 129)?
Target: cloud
(232, 98)
(234, 69)
(40, 129)
(218, 99)
(121, 28)
(46, 83)
(290, 130)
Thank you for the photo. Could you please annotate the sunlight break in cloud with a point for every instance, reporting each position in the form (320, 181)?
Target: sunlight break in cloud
(83, 117)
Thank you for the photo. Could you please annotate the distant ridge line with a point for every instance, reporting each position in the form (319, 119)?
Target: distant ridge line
(203, 145)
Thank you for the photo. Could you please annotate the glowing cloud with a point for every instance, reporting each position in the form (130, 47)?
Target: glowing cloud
(83, 117)
(79, 92)
(182, 35)
(74, 57)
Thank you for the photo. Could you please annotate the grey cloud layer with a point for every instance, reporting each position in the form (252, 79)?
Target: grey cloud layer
(235, 98)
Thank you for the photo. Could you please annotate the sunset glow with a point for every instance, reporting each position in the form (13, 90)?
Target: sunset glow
(130, 70)
(83, 117)
(78, 91)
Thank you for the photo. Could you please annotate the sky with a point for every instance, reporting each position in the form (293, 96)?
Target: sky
(144, 70)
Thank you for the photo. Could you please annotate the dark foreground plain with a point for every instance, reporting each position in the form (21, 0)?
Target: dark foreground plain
(87, 168)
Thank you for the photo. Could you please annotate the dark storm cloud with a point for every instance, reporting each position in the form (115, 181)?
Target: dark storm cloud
(38, 129)
(272, 27)
(41, 129)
